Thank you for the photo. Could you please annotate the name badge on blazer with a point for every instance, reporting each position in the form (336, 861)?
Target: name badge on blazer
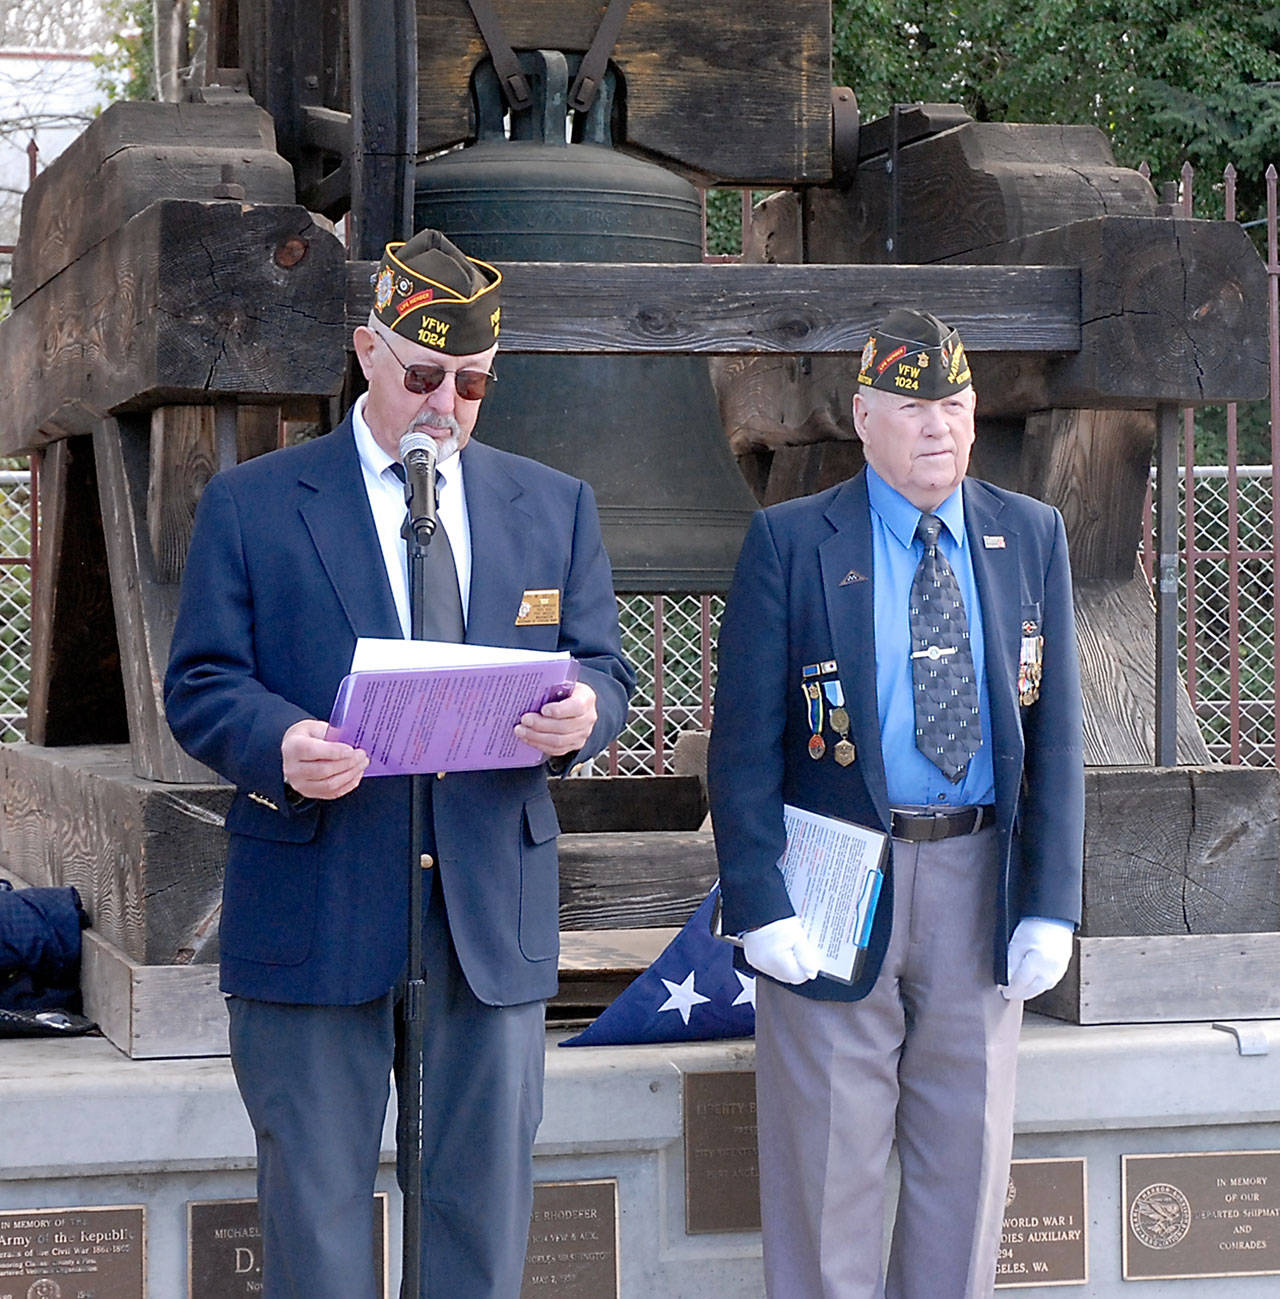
(539, 609)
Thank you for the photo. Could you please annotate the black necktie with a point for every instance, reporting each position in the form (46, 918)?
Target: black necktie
(442, 616)
(948, 729)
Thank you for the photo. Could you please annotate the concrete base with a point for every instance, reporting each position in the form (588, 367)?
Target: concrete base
(84, 1125)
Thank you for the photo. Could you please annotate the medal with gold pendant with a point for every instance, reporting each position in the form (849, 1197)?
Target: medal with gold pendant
(843, 752)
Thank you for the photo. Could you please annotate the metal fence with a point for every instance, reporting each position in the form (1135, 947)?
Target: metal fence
(1229, 590)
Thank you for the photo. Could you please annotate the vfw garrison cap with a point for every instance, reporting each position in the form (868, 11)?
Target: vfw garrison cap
(428, 291)
(913, 352)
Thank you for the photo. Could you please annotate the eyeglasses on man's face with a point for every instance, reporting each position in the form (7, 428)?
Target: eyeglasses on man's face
(422, 379)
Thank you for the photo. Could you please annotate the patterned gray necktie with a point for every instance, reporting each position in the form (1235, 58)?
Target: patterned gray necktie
(442, 617)
(948, 728)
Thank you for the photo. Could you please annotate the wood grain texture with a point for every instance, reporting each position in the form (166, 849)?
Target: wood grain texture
(129, 157)
(145, 604)
(184, 456)
(1094, 466)
(1183, 850)
(738, 93)
(623, 881)
(594, 307)
(1152, 980)
(152, 1011)
(1172, 309)
(138, 321)
(147, 858)
(1115, 631)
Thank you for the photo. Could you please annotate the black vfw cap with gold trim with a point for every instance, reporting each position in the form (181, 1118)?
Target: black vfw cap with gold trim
(913, 352)
(429, 291)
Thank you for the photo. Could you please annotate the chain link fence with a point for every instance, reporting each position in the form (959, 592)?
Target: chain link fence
(1227, 595)
(15, 601)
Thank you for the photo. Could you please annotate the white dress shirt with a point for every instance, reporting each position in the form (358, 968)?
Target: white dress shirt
(386, 500)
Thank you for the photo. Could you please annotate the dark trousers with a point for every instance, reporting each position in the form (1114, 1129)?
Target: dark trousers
(314, 1080)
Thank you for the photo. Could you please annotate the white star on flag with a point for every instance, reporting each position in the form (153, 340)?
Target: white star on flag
(747, 997)
(682, 997)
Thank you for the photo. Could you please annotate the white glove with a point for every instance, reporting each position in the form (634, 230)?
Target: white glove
(782, 950)
(1039, 953)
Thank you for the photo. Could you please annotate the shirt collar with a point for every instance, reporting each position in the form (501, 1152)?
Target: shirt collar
(373, 457)
(901, 517)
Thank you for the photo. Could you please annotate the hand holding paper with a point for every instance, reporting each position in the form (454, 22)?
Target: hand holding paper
(563, 725)
(316, 767)
(782, 950)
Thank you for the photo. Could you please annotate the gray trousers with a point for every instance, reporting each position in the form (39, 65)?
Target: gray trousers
(315, 1081)
(927, 1059)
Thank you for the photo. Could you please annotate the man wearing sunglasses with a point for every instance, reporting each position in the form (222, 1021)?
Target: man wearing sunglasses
(294, 555)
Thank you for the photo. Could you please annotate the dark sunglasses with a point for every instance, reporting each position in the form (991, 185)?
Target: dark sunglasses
(422, 379)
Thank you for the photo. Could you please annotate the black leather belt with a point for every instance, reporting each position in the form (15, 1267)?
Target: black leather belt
(945, 823)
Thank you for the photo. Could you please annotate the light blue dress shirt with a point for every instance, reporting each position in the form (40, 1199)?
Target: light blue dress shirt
(912, 779)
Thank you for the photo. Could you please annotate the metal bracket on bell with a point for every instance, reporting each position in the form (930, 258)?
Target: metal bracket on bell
(586, 84)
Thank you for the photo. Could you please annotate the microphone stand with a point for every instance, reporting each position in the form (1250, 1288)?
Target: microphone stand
(418, 533)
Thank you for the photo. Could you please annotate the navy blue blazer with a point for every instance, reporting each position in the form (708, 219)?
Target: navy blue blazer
(802, 593)
(283, 574)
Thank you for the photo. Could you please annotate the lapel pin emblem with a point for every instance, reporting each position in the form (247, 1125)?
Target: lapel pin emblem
(993, 543)
(852, 576)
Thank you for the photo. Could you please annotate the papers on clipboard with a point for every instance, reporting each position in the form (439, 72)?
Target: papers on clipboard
(833, 870)
(416, 706)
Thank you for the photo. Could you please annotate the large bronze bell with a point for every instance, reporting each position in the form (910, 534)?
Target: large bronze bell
(644, 431)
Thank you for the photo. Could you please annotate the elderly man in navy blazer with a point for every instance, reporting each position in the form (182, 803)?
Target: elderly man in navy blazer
(899, 651)
(295, 555)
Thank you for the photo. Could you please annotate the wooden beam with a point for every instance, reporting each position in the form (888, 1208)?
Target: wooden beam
(145, 606)
(184, 456)
(186, 303)
(1171, 310)
(590, 307)
(131, 156)
(740, 93)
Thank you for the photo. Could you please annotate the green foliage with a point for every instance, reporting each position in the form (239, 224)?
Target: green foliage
(1168, 81)
(127, 70)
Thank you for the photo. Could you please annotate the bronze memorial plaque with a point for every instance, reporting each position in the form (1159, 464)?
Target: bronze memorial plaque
(573, 1241)
(1201, 1214)
(78, 1253)
(1045, 1239)
(721, 1173)
(224, 1248)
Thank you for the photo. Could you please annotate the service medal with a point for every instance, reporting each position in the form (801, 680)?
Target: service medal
(844, 752)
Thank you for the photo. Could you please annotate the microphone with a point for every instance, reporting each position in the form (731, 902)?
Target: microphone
(418, 452)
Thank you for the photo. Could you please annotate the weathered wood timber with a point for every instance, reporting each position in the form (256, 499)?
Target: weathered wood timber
(184, 456)
(152, 1011)
(598, 804)
(958, 187)
(621, 881)
(188, 302)
(1181, 850)
(76, 693)
(1171, 310)
(597, 307)
(1149, 980)
(145, 605)
(727, 91)
(147, 858)
(1094, 466)
(1115, 631)
(131, 156)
